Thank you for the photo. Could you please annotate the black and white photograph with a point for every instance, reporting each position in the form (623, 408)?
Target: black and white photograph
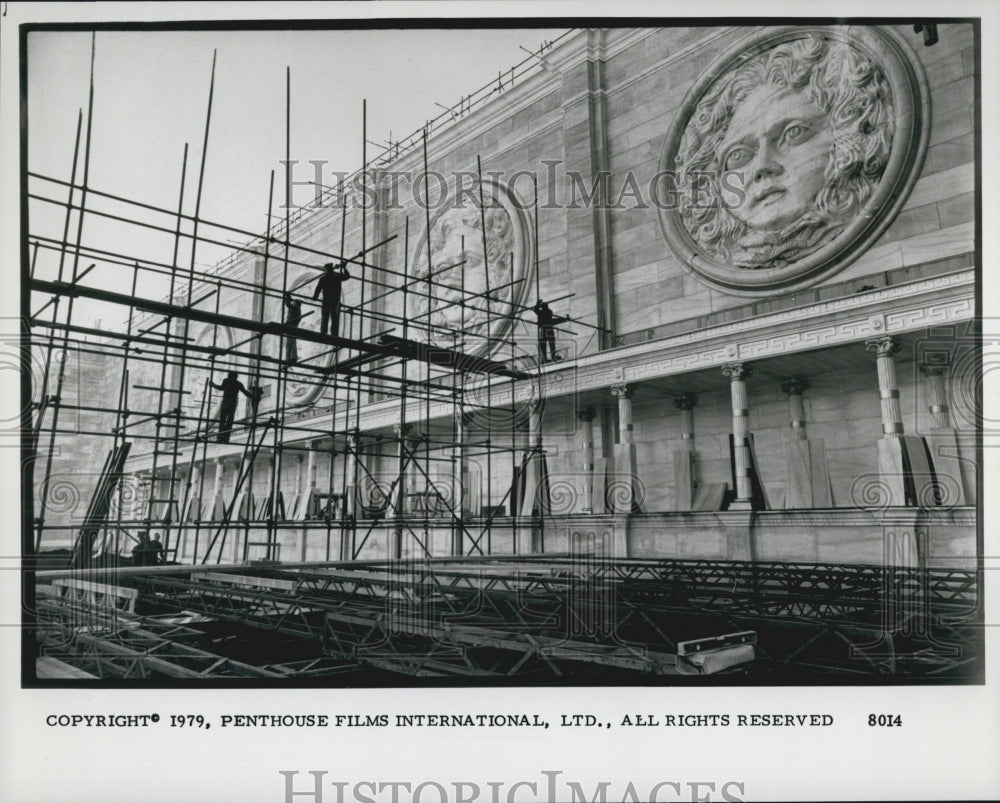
(488, 402)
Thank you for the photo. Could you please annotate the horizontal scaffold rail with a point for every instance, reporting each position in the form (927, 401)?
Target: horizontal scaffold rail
(429, 354)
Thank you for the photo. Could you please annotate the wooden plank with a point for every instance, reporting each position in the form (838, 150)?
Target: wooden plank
(947, 467)
(623, 488)
(759, 494)
(798, 484)
(920, 475)
(710, 496)
(890, 470)
(49, 668)
(822, 489)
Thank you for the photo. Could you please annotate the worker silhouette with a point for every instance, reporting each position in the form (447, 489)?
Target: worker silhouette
(154, 551)
(330, 285)
(293, 316)
(546, 331)
(256, 394)
(231, 387)
(141, 552)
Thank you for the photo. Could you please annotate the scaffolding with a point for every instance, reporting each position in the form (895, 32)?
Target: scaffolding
(393, 349)
(393, 563)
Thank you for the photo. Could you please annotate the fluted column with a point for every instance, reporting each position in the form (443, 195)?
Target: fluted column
(935, 372)
(623, 492)
(686, 403)
(350, 471)
(218, 505)
(624, 395)
(535, 497)
(193, 511)
(793, 387)
(738, 373)
(401, 432)
(890, 446)
(684, 483)
(885, 348)
(955, 483)
(586, 418)
(298, 475)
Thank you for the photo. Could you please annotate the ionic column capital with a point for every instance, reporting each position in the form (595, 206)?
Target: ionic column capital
(935, 365)
(737, 371)
(884, 346)
(685, 401)
(585, 414)
(793, 386)
(623, 391)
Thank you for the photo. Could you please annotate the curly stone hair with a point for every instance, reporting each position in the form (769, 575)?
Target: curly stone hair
(857, 100)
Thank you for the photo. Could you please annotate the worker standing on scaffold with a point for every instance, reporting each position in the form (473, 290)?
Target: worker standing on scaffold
(231, 387)
(330, 285)
(546, 331)
(293, 316)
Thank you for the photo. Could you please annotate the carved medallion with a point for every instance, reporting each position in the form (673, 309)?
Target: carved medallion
(791, 154)
(491, 273)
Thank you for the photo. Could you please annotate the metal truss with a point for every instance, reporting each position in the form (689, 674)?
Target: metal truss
(555, 615)
(809, 617)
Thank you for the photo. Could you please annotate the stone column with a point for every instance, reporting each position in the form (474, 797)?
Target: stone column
(684, 482)
(534, 480)
(399, 502)
(273, 505)
(890, 445)
(193, 511)
(796, 408)
(350, 472)
(935, 371)
(298, 476)
(311, 464)
(952, 487)
(218, 505)
(623, 492)
(230, 494)
(738, 373)
(885, 348)
(807, 483)
(586, 419)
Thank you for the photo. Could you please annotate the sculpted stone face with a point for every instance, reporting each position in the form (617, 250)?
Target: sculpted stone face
(448, 291)
(781, 142)
(457, 241)
(797, 138)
